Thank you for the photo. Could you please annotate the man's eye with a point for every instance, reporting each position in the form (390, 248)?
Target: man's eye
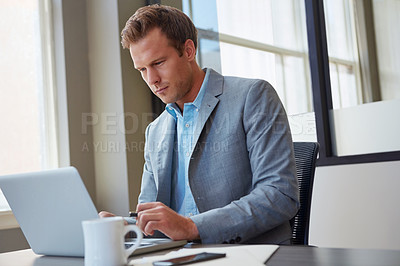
(159, 63)
(142, 69)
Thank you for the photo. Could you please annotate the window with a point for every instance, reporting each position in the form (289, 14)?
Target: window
(343, 53)
(363, 69)
(28, 135)
(387, 37)
(362, 53)
(257, 39)
(367, 131)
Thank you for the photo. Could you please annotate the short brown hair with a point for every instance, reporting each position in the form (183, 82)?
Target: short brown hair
(173, 23)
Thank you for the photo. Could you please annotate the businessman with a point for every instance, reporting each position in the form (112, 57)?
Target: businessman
(219, 163)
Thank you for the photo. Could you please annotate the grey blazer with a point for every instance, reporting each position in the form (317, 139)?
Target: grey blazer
(242, 171)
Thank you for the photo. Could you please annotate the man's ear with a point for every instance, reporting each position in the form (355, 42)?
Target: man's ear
(189, 50)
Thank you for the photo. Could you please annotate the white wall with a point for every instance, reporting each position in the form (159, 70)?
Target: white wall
(107, 113)
(356, 206)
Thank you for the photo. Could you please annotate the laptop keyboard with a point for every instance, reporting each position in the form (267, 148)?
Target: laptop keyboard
(145, 242)
(129, 244)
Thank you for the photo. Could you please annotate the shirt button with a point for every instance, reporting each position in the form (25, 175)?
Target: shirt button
(187, 125)
(197, 109)
(187, 154)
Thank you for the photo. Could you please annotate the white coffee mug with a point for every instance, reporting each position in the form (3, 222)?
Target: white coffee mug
(105, 241)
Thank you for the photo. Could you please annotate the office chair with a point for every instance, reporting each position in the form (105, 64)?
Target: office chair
(305, 154)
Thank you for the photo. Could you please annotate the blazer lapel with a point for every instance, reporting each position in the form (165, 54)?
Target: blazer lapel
(210, 101)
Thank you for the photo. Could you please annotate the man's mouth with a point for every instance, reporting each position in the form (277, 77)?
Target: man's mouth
(160, 90)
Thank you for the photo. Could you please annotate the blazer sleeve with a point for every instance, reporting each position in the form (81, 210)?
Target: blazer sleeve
(273, 199)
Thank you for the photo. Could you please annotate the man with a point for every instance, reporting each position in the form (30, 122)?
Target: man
(219, 162)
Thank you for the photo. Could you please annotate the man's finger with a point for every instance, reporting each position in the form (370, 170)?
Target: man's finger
(148, 205)
(145, 217)
(104, 214)
(151, 227)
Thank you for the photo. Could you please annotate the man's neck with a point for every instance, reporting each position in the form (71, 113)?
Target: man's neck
(198, 78)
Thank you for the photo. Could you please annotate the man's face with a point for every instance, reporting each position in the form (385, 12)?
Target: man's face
(168, 75)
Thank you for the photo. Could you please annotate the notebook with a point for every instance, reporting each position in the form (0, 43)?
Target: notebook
(50, 206)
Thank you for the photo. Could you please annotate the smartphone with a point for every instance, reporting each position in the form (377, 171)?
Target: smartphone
(189, 259)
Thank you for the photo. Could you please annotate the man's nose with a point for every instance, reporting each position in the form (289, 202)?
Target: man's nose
(152, 77)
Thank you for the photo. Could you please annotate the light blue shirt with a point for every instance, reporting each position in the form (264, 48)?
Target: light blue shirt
(181, 196)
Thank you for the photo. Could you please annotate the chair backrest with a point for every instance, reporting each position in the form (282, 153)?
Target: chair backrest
(305, 154)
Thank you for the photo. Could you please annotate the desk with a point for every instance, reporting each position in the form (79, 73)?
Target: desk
(310, 256)
(284, 256)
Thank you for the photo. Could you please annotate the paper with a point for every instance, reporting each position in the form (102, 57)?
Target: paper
(249, 255)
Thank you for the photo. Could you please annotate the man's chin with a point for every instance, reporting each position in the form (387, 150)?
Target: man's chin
(164, 100)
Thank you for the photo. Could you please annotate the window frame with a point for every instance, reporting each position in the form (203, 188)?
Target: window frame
(322, 96)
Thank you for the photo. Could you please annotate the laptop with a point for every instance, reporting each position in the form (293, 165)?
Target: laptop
(50, 206)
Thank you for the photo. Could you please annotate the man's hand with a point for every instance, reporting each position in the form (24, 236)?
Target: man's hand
(156, 216)
(104, 214)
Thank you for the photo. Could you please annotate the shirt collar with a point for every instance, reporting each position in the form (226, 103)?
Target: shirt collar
(173, 109)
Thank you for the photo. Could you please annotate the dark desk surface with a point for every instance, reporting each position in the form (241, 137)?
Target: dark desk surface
(310, 256)
(284, 256)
